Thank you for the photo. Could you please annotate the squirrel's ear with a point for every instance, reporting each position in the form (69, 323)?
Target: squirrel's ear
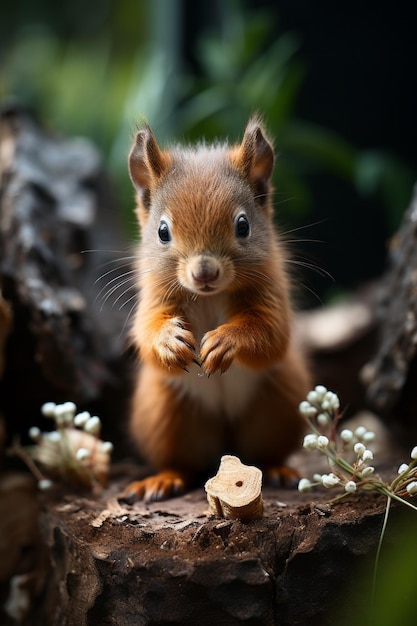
(255, 156)
(147, 163)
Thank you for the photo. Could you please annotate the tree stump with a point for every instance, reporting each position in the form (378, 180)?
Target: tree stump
(173, 562)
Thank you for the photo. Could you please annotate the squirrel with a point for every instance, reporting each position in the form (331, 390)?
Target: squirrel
(219, 371)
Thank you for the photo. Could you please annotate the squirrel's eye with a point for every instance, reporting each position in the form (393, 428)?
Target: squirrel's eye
(242, 228)
(164, 233)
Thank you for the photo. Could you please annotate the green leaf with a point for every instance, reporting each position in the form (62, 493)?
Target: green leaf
(319, 147)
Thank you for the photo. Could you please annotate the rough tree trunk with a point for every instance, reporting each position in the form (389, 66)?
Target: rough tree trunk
(91, 560)
(391, 374)
(55, 208)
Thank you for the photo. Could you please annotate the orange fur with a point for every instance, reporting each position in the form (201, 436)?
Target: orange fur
(219, 372)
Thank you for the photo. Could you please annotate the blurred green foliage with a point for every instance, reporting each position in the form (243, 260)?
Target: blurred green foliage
(94, 68)
(393, 600)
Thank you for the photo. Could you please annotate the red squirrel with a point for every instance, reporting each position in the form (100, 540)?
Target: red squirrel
(219, 371)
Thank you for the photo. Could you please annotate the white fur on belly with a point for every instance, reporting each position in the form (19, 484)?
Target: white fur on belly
(227, 393)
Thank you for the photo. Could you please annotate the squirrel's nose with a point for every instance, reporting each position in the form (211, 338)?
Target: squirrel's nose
(205, 269)
(205, 274)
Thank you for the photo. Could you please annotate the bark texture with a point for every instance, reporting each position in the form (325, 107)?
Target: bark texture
(391, 374)
(172, 563)
(55, 209)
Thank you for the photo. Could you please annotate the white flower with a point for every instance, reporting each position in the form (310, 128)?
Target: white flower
(81, 419)
(313, 397)
(107, 447)
(93, 425)
(320, 391)
(335, 401)
(346, 435)
(45, 484)
(330, 401)
(367, 455)
(310, 442)
(306, 409)
(53, 436)
(304, 484)
(322, 442)
(412, 488)
(35, 433)
(350, 486)
(367, 471)
(360, 431)
(414, 453)
(70, 406)
(48, 409)
(68, 412)
(82, 454)
(329, 480)
(403, 468)
(323, 419)
(60, 414)
(368, 436)
(359, 448)
(317, 478)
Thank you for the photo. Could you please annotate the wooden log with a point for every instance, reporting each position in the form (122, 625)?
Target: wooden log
(235, 491)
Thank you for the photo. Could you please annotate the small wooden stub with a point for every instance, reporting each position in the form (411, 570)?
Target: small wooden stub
(236, 490)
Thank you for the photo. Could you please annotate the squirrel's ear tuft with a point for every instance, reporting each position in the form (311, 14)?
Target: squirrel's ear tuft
(255, 156)
(147, 163)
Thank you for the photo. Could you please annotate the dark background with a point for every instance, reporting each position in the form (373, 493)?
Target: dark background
(362, 82)
(361, 77)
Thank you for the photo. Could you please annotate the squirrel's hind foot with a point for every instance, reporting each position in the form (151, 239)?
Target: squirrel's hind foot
(166, 484)
(282, 476)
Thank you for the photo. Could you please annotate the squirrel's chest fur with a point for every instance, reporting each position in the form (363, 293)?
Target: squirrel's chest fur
(225, 394)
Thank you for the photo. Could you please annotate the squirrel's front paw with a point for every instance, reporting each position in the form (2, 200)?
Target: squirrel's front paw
(217, 350)
(175, 347)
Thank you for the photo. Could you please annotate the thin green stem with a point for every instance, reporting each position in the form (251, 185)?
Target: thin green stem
(313, 427)
(343, 464)
(399, 499)
(333, 454)
(402, 477)
(18, 451)
(378, 552)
